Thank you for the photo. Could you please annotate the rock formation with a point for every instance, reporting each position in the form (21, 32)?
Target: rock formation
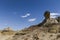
(49, 29)
(47, 19)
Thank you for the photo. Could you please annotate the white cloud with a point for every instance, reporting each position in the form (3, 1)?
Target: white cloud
(31, 20)
(54, 15)
(25, 15)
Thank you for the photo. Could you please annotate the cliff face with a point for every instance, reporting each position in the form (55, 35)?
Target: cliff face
(49, 29)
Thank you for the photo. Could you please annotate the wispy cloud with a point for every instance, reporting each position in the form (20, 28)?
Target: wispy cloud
(54, 15)
(24, 16)
(31, 20)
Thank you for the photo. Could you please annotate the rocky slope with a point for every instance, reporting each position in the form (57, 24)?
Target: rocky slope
(42, 33)
(49, 29)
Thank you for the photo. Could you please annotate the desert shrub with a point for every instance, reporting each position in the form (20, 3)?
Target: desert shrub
(20, 33)
(50, 36)
(35, 37)
(52, 30)
(47, 25)
(8, 33)
(58, 36)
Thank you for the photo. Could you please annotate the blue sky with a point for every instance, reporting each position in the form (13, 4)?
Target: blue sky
(19, 14)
